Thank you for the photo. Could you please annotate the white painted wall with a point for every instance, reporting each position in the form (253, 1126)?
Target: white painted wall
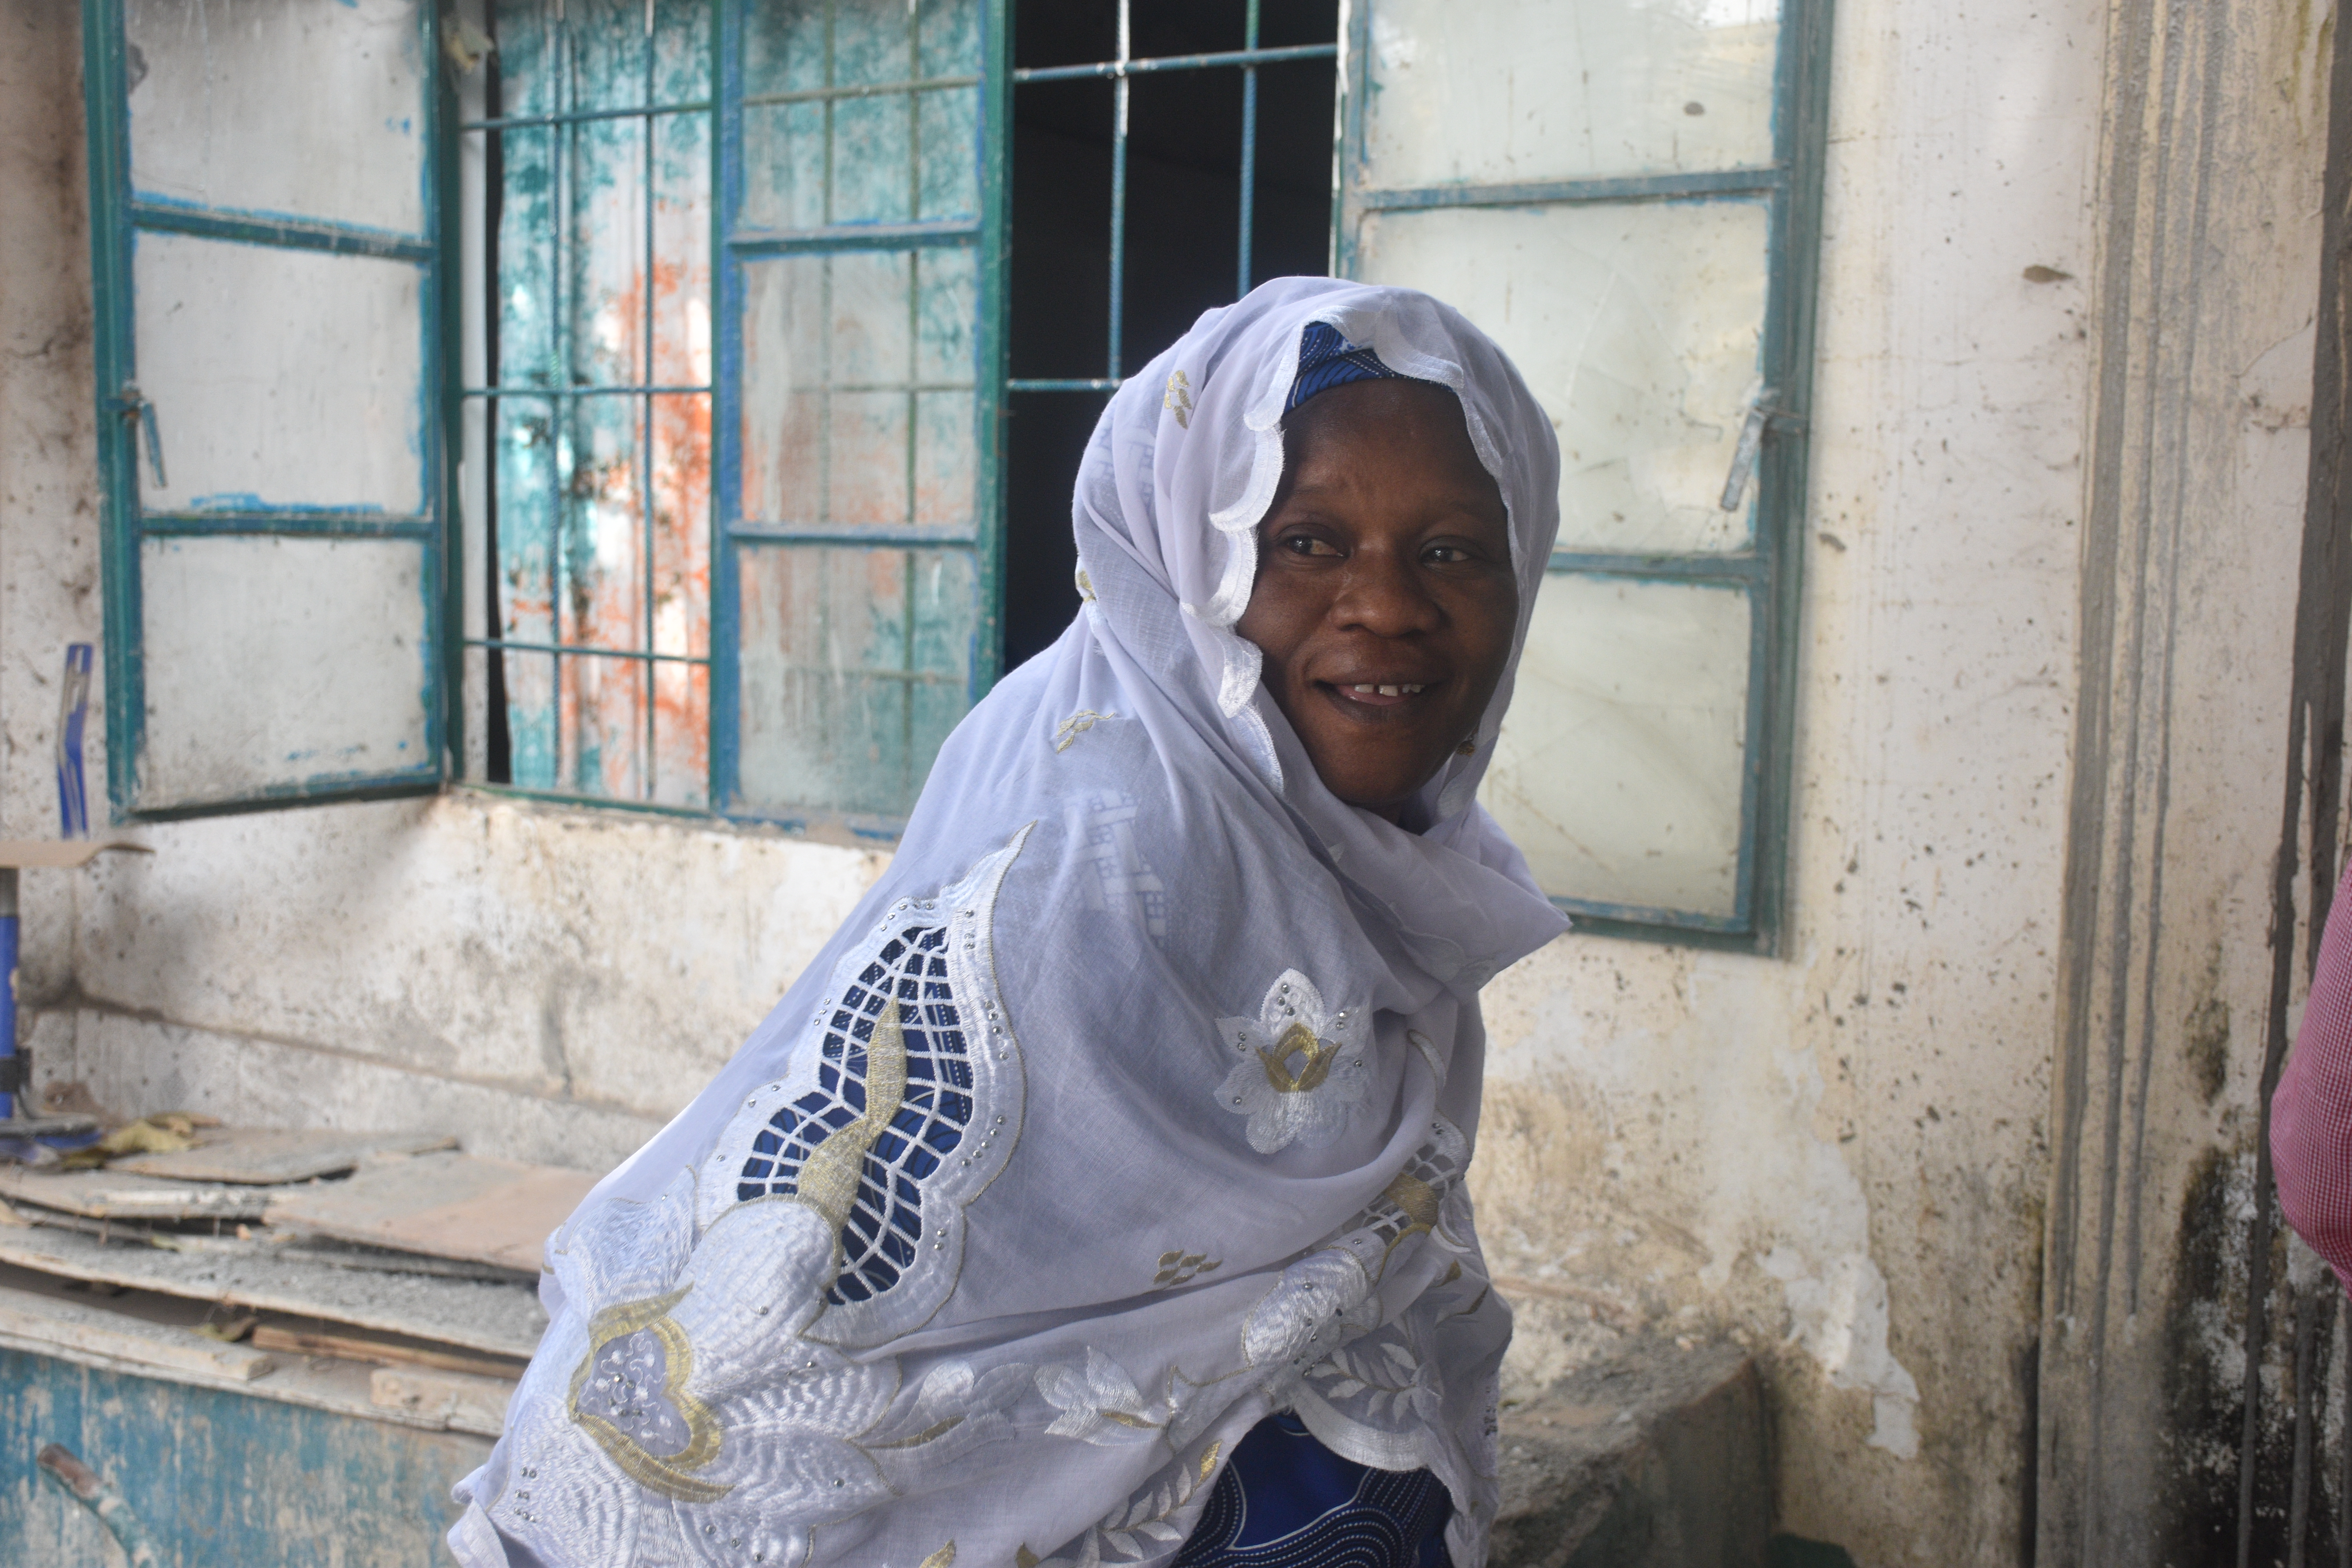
(1838, 1155)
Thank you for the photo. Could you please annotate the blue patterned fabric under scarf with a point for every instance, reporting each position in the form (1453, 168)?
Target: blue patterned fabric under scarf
(1288, 1501)
(1327, 360)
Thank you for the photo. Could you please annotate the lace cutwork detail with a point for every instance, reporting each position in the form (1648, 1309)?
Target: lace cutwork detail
(885, 1224)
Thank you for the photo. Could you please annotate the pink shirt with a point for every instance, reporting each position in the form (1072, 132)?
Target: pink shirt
(2311, 1114)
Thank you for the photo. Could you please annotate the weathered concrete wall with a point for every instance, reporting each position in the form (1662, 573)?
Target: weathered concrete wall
(2178, 962)
(49, 461)
(550, 984)
(1843, 1152)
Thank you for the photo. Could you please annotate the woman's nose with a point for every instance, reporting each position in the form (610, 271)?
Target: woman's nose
(1382, 594)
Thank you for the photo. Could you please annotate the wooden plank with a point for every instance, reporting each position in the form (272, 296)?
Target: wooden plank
(117, 1194)
(249, 1156)
(40, 1322)
(451, 1399)
(449, 1206)
(496, 1317)
(379, 1352)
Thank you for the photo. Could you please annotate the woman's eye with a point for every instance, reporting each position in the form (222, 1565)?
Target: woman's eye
(1446, 554)
(1307, 544)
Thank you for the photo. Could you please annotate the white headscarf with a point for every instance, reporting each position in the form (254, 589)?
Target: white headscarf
(1132, 1105)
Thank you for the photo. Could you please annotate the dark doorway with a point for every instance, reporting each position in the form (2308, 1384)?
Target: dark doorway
(1182, 231)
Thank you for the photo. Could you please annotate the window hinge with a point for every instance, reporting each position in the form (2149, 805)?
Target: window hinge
(1764, 415)
(135, 408)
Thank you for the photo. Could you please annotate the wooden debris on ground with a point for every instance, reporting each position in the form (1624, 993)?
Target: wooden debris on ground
(316, 1256)
(251, 1157)
(121, 1195)
(377, 1352)
(501, 1318)
(448, 1204)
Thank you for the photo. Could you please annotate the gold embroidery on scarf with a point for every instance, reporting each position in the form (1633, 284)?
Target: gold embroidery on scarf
(1178, 399)
(1418, 1201)
(1024, 1558)
(1086, 586)
(1209, 1459)
(829, 1177)
(1298, 1040)
(1075, 725)
(921, 1437)
(1124, 1419)
(1180, 1268)
(942, 1558)
(666, 1476)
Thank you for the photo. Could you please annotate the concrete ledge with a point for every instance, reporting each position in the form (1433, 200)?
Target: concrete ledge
(1654, 1458)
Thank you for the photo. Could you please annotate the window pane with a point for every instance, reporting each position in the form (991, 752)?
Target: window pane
(682, 250)
(1619, 771)
(856, 406)
(1640, 328)
(228, 101)
(859, 156)
(274, 662)
(856, 665)
(1517, 91)
(326, 409)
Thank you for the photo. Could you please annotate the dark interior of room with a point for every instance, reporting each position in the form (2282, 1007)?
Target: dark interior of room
(1183, 229)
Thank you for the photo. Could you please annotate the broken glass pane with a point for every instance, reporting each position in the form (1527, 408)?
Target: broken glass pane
(1620, 769)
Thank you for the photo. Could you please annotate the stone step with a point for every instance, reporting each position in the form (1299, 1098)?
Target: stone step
(1652, 1457)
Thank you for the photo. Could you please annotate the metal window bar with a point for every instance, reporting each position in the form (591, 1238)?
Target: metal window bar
(1247, 60)
(567, 119)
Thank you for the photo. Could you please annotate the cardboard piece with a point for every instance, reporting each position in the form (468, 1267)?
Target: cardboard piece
(62, 855)
(446, 1205)
(251, 1157)
(115, 1194)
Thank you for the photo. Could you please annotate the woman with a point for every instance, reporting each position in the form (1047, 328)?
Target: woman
(1096, 1197)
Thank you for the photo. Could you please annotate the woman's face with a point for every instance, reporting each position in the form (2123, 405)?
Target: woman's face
(1385, 600)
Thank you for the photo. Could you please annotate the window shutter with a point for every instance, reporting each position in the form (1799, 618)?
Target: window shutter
(267, 369)
(1627, 197)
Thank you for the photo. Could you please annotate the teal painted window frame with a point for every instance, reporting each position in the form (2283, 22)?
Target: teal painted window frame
(117, 219)
(733, 244)
(1770, 572)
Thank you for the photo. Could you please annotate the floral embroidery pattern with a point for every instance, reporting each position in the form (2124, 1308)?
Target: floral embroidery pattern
(1075, 725)
(1302, 1069)
(629, 1394)
(1178, 399)
(1141, 1527)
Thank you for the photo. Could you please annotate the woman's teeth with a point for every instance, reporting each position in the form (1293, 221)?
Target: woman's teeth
(1388, 691)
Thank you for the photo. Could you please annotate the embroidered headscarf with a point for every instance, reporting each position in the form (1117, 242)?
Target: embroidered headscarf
(1132, 1105)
